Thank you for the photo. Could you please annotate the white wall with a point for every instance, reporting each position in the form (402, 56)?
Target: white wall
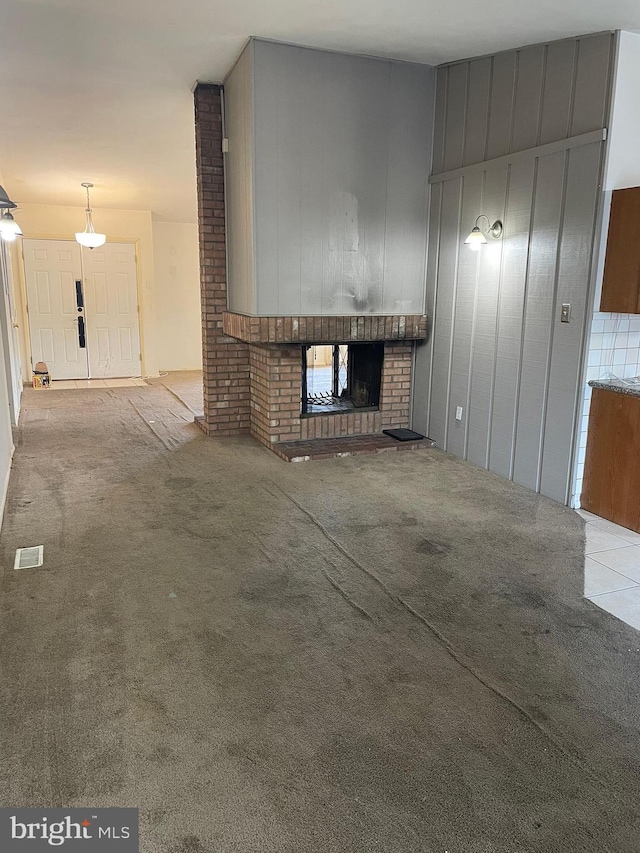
(6, 438)
(169, 298)
(177, 286)
(168, 271)
(10, 320)
(10, 385)
(623, 159)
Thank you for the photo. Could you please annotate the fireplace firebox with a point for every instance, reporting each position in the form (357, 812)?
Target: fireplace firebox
(339, 378)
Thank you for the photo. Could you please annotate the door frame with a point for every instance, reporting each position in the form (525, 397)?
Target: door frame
(25, 306)
(11, 344)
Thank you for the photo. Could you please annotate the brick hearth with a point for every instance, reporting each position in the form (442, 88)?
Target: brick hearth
(354, 445)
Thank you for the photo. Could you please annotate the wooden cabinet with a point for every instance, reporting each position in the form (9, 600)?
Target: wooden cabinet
(611, 483)
(621, 282)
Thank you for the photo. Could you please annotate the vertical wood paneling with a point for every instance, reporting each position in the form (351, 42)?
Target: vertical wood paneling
(574, 265)
(403, 270)
(313, 192)
(592, 83)
(456, 115)
(558, 91)
(501, 104)
(445, 301)
(463, 317)
(483, 349)
(239, 184)
(497, 335)
(357, 202)
(290, 94)
(424, 351)
(509, 321)
(341, 165)
(439, 119)
(516, 100)
(477, 122)
(265, 132)
(538, 319)
(526, 111)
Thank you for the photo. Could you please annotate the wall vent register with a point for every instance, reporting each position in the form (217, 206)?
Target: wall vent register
(29, 558)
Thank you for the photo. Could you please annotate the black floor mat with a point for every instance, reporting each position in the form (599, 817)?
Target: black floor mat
(403, 434)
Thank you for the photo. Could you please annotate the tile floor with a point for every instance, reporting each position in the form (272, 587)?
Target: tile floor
(612, 568)
(69, 384)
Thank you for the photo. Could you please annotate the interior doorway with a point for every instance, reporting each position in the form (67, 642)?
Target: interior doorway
(83, 309)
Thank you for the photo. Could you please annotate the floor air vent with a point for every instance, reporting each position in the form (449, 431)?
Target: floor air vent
(29, 558)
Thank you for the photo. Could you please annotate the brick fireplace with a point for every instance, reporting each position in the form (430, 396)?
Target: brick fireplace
(256, 362)
(276, 399)
(276, 372)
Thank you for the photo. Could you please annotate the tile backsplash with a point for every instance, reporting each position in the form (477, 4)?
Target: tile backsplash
(614, 348)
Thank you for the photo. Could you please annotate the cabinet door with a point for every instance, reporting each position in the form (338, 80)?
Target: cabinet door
(611, 484)
(621, 282)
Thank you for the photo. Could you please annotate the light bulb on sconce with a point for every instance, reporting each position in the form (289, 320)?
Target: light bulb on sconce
(477, 236)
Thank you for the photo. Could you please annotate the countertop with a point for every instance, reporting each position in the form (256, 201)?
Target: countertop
(616, 385)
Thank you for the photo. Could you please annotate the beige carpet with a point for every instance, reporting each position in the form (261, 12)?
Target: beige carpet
(386, 653)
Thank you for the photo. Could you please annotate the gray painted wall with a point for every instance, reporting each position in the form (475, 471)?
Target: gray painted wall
(497, 346)
(341, 164)
(238, 121)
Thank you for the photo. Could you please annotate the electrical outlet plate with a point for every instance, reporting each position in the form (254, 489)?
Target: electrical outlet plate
(459, 413)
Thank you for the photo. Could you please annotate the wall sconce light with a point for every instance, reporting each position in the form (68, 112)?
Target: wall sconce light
(477, 236)
(9, 228)
(89, 237)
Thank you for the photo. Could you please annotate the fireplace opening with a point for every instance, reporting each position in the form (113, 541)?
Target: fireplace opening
(338, 378)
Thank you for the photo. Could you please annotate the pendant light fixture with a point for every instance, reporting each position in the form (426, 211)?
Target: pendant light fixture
(9, 228)
(477, 236)
(89, 237)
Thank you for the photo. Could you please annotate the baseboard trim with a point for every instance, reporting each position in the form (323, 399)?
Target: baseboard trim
(5, 489)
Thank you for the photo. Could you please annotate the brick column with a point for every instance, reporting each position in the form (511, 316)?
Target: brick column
(395, 392)
(276, 380)
(225, 361)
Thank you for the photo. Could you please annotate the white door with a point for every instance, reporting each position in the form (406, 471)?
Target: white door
(111, 303)
(54, 278)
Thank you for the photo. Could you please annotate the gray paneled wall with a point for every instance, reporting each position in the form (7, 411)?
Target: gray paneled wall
(497, 105)
(238, 119)
(498, 348)
(341, 159)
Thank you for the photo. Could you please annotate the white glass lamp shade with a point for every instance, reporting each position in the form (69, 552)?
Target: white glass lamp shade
(475, 239)
(9, 228)
(91, 239)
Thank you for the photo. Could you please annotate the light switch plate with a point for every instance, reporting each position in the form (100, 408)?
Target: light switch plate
(565, 313)
(459, 413)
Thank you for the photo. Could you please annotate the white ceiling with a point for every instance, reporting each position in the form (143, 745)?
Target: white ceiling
(100, 90)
